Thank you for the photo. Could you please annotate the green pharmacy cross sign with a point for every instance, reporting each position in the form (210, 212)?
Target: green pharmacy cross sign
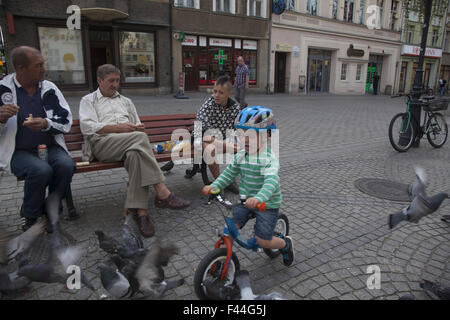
(220, 57)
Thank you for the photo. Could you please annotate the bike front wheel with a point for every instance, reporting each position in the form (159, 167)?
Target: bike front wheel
(401, 132)
(437, 130)
(209, 271)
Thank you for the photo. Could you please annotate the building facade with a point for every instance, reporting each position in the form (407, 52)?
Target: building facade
(209, 35)
(445, 62)
(133, 35)
(411, 40)
(326, 46)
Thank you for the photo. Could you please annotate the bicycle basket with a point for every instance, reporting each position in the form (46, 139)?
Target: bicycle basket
(436, 105)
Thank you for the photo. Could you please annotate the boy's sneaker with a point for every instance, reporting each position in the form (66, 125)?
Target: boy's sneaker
(288, 251)
(25, 221)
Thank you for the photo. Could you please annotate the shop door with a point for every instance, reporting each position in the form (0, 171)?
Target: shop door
(101, 51)
(190, 68)
(426, 80)
(403, 72)
(280, 72)
(316, 75)
(319, 62)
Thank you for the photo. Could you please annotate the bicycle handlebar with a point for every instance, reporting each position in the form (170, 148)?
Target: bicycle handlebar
(215, 191)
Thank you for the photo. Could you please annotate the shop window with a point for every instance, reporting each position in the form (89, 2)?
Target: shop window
(311, 7)
(358, 72)
(63, 53)
(220, 63)
(250, 59)
(344, 71)
(228, 6)
(256, 8)
(410, 34)
(140, 46)
(435, 38)
(203, 66)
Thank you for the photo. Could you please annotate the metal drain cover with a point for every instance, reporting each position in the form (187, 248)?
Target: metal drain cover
(384, 189)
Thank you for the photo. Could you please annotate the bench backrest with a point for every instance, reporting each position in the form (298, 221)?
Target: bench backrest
(158, 128)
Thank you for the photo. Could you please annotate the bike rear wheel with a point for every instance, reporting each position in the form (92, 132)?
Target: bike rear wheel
(401, 132)
(281, 229)
(437, 130)
(209, 270)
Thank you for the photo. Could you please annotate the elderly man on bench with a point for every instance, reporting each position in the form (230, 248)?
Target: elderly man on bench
(113, 132)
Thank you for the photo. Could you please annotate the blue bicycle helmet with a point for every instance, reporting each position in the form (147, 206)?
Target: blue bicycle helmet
(256, 118)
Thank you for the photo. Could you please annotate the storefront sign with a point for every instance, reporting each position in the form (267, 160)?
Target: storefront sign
(237, 44)
(250, 44)
(415, 51)
(352, 52)
(220, 42)
(220, 57)
(202, 41)
(283, 47)
(189, 41)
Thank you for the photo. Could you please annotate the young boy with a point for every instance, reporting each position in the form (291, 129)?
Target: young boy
(259, 182)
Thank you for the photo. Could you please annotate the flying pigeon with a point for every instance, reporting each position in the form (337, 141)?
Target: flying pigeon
(242, 279)
(10, 248)
(420, 206)
(442, 293)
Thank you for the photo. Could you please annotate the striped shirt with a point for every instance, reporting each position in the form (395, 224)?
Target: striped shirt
(241, 73)
(259, 177)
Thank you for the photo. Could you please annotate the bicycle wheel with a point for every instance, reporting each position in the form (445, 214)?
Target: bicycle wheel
(281, 229)
(401, 132)
(437, 130)
(209, 271)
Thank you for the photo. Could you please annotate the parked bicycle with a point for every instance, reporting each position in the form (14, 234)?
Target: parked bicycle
(216, 271)
(404, 129)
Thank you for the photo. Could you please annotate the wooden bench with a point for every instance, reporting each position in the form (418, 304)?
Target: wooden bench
(159, 128)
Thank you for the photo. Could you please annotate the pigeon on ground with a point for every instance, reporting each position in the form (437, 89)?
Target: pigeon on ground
(131, 239)
(113, 281)
(10, 248)
(420, 206)
(242, 279)
(442, 293)
(11, 282)
(107, 243)
(168, 166)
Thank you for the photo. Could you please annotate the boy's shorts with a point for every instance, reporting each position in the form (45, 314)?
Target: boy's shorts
(265, 221)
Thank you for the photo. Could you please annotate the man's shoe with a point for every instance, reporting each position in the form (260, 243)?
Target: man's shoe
(288, 251)
(172, 202)
(27, 223)
(145, 226)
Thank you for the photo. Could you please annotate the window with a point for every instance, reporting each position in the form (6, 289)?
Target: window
(362, 8)
(380, 3)
(410, 34)
(358, 72)
(344, 71)
(63, 53)
(348, 10)
(188, 3)
(290, 5)
(335, 9)
(256, 8)
(141, 68)
(224, 5)
(311, 7)
(435, 38)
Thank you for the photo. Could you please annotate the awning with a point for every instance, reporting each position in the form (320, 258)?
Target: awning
(103, 14)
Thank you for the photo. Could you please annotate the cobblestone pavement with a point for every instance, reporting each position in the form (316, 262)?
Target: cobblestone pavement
(327, 142)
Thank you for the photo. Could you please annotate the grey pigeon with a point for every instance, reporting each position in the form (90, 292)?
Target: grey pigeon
(421, 205)
(242, 279)
(11, 282)
(113, 281)
(132, 240)
(150, 273)
(107, 243)
(442, 293)
(10, 248)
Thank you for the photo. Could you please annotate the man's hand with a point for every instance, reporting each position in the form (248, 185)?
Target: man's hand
(251, 203)
(36, 124)
(126, 127)
(140, 127)
(7, 111)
